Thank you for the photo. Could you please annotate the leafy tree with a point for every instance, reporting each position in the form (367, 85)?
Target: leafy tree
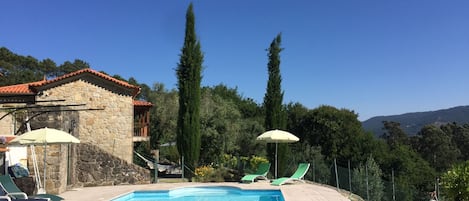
(436, 147)
(323, 130)
(163, 120)
(220, 126)
(275, 117)
(393, 134)
(189, 79)
(319, 170)
(247, 106)
(296, 113)
(144, 89)
(367, 182)
(247, 120)
(163, 115)
(68, 67)
(362, 145)
(405, 190)
(460, 138)
(16, 69)
(412, 172)
(48, 67)
(221, 122)
(246, 143)
(456, 182)
(338, 132)
(413, 175)
(226, 93)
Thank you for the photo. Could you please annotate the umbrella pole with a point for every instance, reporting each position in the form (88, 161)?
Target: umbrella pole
(35, 167)
(276, 159)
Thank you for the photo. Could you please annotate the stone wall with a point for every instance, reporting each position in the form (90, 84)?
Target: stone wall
(111, 127)
(95, 167)
(6, 124)
(56, 163)
(108, 125)
(9, 124)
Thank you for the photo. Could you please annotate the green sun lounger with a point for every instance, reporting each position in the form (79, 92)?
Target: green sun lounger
(261, 173)
(10, 187)
(8, 197)
(297, 176)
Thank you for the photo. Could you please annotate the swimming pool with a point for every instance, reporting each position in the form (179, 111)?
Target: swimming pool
(204, 193)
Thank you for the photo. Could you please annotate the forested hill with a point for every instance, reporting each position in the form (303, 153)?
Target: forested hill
(17, 69)
(411, 123)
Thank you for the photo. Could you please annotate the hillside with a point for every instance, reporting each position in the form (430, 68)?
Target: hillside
(411, 123)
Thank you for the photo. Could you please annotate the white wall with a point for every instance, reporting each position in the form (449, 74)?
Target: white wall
(17, 154)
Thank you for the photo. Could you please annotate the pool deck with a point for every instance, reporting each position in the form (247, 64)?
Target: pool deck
(291, 192)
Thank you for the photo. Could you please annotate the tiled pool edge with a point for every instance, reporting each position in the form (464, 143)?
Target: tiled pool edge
(196, 192)
(291, 192)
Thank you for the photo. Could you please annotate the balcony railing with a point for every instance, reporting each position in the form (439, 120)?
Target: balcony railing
(140, 130)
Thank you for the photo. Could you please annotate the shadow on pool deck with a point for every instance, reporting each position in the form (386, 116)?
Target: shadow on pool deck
(291, 192)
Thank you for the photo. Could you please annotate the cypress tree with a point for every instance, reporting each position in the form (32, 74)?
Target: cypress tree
(189, 80)
(275, 117)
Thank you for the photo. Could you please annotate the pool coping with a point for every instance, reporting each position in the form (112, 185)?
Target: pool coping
(290, 192)
(218, 190)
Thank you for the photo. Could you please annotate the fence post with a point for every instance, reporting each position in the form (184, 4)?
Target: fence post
(336, 174)
(349, 178)
(183, 167)
(156, 155)
(437, 188)
(314, 175)
(367, 191)
(393, 188)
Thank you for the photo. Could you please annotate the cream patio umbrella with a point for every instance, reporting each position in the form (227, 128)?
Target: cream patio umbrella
(45, 136)
(277, 136)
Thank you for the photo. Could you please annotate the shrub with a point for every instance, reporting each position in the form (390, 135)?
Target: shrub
(251, 163)
(207, 173)
(229, 161)
(256, 160)
(203, 172)
(456, 182)
(231, 168)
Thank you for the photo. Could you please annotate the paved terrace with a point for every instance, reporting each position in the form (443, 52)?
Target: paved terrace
(291, 192)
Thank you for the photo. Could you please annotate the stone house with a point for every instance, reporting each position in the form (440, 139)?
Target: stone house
(98, 109)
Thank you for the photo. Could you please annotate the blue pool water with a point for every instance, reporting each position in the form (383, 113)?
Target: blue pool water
(211, 193)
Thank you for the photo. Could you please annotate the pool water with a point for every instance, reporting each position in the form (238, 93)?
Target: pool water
(211, 193)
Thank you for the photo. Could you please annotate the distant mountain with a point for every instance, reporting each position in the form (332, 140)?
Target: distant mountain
(411, 123)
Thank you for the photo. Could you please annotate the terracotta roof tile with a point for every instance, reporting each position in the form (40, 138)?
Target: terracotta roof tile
(19, 88)
(142, 103)
(27, 88)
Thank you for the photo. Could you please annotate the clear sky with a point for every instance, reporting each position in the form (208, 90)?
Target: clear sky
(375, 57)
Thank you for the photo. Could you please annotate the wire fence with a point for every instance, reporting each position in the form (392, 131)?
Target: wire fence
(363, 181)
(366, 183)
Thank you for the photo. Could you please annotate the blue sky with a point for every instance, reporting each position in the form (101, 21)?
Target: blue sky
(374, 57)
